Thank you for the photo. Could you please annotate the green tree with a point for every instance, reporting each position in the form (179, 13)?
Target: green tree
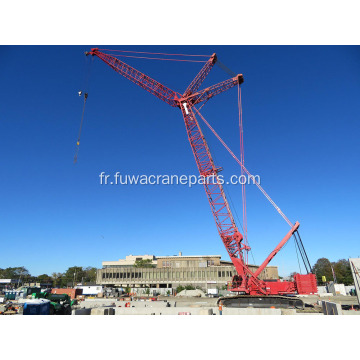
(144, 263)
(179, 289)
(90, 276)
(323, 268)
(128, 290)
(147, 291)
(57, 278)
(342, 272)
(189, 287)
(17, 273)
(341, 268)
(44, 278)
(73, 275)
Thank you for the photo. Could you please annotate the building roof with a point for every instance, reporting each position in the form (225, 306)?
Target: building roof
(187, 256)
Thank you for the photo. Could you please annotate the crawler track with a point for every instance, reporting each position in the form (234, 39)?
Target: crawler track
(244, 301)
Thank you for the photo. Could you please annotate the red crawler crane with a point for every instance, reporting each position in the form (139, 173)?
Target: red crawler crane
(245, 282)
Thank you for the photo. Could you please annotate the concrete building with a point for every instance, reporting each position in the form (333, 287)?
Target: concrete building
(204, 271)
(128, 261)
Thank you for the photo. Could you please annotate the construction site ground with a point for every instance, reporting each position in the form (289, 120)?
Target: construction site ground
(170, 305)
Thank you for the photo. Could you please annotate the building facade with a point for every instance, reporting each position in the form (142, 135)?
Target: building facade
(204, 271)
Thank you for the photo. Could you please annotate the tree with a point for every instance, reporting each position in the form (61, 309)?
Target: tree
(57, 278)
(323, 268)
(179, 289)
(341, 268)
(147, 291)
(90, 274)
(342, 272)
(144, 263)
(17, 273)
(44, 278)
(189, 287)
(73, 275)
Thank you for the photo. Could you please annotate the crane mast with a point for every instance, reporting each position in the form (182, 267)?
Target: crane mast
(245, 281)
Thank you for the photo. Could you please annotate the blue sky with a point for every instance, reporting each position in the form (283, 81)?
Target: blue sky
(301, 129)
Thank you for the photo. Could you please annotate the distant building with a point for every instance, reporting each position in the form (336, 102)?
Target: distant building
(8, 283)
(204, 271)
(90, 289)
(128, 261)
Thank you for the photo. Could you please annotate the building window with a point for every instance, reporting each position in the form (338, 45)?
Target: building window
(210, 263)
(103, 275)
(223, 274)
(219, 274)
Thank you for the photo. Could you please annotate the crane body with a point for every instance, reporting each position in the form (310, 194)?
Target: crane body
(245, 282)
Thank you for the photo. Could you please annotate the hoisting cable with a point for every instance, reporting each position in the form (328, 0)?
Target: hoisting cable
(242, 159)
(302, 252)
(302, 245)
(156, 58)
(81, 124)
(84, 92)
(297, 255)
(153, 53)
(225, 68)
(245, 170)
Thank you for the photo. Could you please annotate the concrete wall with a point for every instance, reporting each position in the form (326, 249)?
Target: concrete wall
(355, 270)
(331, 308)
(250, 311)
(195, 311)
(91, 303)
(322, 289)
(81, 312)
(336, 289)
(103, 311)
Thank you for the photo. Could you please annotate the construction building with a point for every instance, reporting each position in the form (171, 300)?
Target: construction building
(203, 271)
